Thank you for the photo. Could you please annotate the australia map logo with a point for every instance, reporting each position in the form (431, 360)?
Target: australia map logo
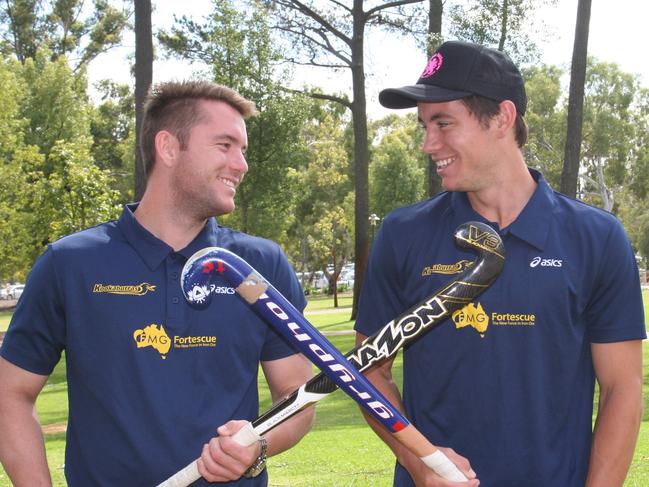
(153, 336)
(473, 316)
(156, 337)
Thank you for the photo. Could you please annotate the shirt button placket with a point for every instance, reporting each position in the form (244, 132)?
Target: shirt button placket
(174, 292)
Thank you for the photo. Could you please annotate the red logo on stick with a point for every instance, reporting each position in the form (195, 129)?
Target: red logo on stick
(209, 267)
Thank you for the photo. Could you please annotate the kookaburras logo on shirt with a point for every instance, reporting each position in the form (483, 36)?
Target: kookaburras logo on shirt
(456, 268)
(133, 290)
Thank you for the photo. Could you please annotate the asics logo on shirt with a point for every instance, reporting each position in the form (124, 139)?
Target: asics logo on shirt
(538, 261)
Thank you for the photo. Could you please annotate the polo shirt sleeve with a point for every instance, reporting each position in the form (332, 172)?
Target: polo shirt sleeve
(379, 301)
(36, 335)
(286, 282)
(615, 311)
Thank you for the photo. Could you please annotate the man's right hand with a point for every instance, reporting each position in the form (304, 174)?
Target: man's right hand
(423, 476)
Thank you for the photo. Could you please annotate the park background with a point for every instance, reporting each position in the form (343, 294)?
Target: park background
(327, 163)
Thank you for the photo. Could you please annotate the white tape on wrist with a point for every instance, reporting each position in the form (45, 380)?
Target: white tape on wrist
(442, 466)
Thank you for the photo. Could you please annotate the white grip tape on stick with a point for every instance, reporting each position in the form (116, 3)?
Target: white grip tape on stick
(246, 435)
(190, 474)
(443, 467)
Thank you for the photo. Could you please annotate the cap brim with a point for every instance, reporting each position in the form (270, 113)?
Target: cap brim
(409, 96)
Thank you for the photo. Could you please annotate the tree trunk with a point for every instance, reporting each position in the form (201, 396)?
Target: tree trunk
(435, 10)
(361, 155)
(143, 78)
(570, 172)
(503, 25)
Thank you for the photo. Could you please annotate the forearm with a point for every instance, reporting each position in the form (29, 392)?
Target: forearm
(614, 437)
(290, 432)
(391, 392)
(285, 376)
(22, 449)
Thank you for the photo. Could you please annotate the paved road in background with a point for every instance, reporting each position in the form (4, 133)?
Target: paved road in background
(7, 304)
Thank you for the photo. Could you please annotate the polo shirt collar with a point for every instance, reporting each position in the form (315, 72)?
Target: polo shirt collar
(531, 226)
(154, 251)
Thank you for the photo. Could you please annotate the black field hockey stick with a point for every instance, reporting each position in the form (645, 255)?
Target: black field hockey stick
(273, 307)
(410, 325)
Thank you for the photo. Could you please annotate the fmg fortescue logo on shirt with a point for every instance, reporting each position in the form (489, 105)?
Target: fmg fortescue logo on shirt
(456, 268)
(473, 316)
(133, 290)
(156, 337)
(476, 317)
(153, 336)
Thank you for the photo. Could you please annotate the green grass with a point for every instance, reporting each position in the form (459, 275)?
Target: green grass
(5, 317)
(321, 301)
(340, 451)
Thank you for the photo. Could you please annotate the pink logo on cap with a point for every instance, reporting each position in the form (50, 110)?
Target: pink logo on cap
(433, 66)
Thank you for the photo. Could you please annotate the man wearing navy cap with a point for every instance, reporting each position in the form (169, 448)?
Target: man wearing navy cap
(508, 382)
(150, 378)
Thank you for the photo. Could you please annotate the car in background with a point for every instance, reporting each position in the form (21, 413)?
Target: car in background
(346, 278)
(15, 291)
(4, 293)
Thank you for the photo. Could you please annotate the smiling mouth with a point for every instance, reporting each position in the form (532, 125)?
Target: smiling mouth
(230, 183)
(443, 163)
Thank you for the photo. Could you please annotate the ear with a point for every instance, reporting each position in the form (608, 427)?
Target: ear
(167, 147)
(506, 118)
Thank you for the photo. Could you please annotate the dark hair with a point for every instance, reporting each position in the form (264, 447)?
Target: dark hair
(484, 109)
(175, 106)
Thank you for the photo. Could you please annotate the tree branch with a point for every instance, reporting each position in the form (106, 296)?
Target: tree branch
(319, 96)
(341, 5)
(396, 3)
(305, 9)
(325, 44)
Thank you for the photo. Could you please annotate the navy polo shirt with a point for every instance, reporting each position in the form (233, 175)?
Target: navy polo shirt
(508, 381)
(149, 377)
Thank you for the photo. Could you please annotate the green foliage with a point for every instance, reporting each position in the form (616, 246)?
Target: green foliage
(324, 215)
(639, 168)
(17, 246)
(76, 193)
(113, 130)
(56, 103)
(12, 125)
(506, 25)
(237, 45)
(397, 173)
(546, 121)
(634, 215)
(61, 27)
(609, 132)
(49, 184)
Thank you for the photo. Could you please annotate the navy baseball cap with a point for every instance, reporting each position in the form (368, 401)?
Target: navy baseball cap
(461, 69)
